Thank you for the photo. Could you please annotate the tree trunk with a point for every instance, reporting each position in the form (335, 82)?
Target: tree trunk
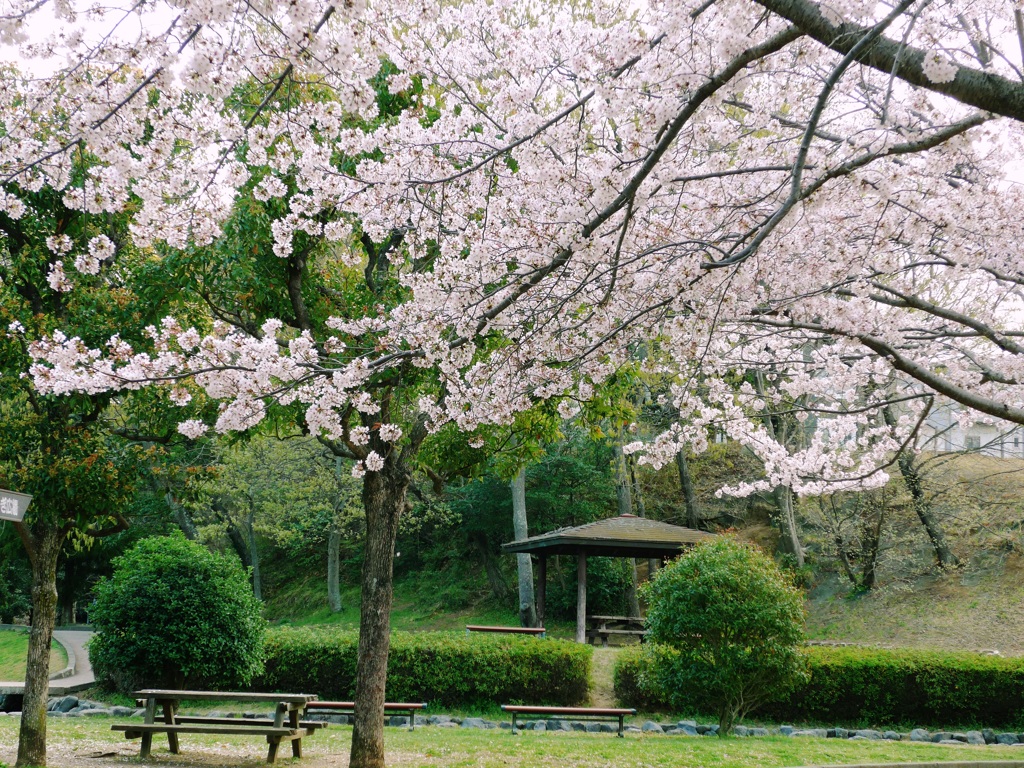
(499, 587)
(624, 492)
(944, 556)
(66, 595)
(333, 570)
(693, 519)
(182, 518)
(790, 541)
(641, 510)
(44, 547)
(383, 499)
(254, 555)
(524, 563)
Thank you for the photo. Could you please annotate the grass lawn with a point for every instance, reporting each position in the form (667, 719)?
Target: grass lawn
(14, 654)
(80, 742)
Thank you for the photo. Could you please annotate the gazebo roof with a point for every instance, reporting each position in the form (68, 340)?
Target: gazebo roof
(622, 536)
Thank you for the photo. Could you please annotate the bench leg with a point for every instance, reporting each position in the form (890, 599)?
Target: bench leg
(621, 718)
(412, 719)
(272, 749)
(514, 731)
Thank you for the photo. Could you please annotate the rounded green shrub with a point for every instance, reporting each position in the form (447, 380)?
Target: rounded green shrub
(175, 615)
(735, 621)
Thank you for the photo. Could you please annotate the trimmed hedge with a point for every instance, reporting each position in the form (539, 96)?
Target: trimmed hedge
(449, 669)
(869, 686)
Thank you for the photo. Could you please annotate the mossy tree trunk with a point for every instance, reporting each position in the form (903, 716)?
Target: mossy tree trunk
(43, 546)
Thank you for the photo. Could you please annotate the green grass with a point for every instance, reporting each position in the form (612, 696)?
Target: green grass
(71, 742)
(14, 655)
(303, 602)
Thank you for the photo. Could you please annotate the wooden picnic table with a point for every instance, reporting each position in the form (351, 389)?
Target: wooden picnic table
(603, 627)
(286, 725)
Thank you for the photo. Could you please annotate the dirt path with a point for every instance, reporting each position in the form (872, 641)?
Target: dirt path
(602, 694)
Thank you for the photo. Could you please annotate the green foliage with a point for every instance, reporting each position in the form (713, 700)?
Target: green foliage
(15, 587)
(175, 614)
(864, 686)
(908, 686)
(735, 621)
(607, 581)
(447, 669)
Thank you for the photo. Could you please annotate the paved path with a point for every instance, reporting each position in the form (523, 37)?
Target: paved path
(78, 673)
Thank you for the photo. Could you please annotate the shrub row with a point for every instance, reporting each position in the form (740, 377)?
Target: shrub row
(865, 686)
(448, 669)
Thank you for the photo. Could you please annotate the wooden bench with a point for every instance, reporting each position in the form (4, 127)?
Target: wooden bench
(563, 713)
(286, 724)
(349, 708)
(538, 631)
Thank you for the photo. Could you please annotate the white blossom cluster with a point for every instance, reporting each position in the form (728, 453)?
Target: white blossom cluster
(684, 192)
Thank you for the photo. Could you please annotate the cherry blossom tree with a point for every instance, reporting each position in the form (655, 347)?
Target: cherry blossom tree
(816, 191)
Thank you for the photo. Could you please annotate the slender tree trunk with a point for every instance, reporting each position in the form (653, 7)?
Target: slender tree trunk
(790, 541)
(641, 510)
(333, 570)
(66, 595)
(693, 518)
(944, 556)
(499, 587)
(524, 563)
(45, 544)
(181, 515)
(383, 499)
(254, 555)
(624, 492)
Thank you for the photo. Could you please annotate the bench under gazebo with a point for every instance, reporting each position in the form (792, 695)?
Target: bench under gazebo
(622, 536)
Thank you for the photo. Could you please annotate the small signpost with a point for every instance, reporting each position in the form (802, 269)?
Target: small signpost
(13, 505)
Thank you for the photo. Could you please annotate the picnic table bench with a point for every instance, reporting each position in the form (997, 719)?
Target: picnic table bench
(286, 725)
(349, 708)
(603, 627)
(560, 713)
(538, 631)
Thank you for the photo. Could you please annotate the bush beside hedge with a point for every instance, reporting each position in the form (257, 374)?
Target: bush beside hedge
(868, 686)
(448, 669)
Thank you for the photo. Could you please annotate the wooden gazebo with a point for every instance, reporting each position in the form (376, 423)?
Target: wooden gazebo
(622, 536)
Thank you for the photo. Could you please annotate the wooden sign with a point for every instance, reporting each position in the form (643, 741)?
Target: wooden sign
(13, 505)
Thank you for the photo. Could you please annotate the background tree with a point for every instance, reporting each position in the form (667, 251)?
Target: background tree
(736, 622)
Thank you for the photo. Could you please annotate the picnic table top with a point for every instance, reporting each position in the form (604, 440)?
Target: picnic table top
(170, 694)
(617, 618)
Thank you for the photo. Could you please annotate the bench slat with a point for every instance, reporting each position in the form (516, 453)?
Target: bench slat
(600, 711)
(388, 705)
(262, 730)
(510, 630)
(244, 721)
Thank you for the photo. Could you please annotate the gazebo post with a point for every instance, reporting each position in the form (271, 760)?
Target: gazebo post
(581, 597)
(542, 584)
